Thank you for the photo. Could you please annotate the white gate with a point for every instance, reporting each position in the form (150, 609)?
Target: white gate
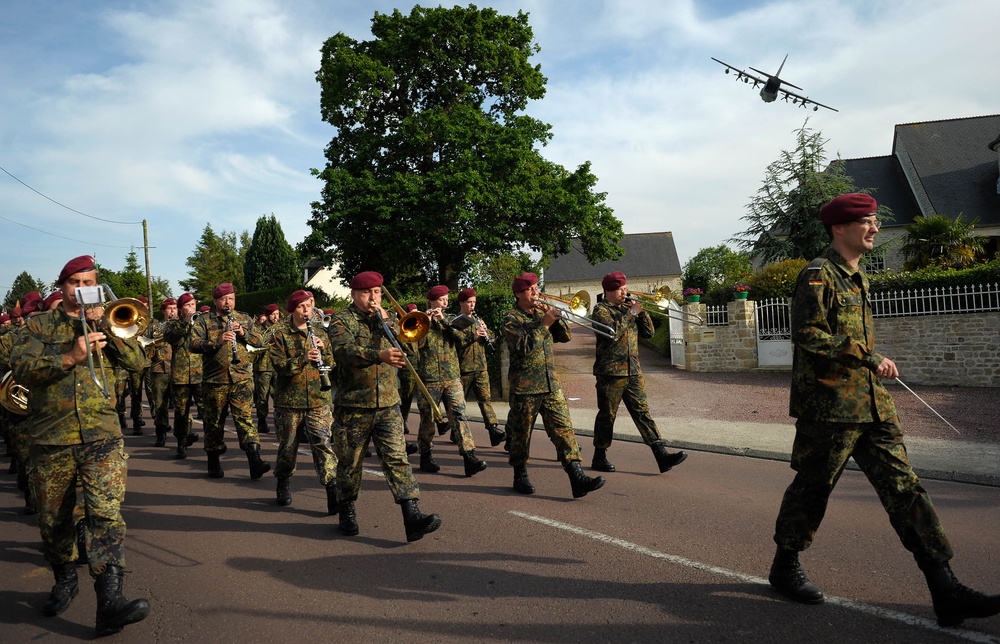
(774, 333)
(676, 337)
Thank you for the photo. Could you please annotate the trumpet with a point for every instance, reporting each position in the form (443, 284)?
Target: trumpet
(13, 397)
(413, 326)
(658, 303)
(575, 312)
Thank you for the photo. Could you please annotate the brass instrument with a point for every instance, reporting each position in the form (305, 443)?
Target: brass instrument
(125, 318)
(658, 303)
(13, 397)
(576, 312)
(413, 326)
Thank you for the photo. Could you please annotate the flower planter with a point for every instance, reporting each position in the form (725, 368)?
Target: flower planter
(740, 295)
(693, 298)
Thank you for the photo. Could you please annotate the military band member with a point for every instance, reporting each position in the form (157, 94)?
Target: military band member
(185, 371)
(367, 408)
(158, 374)
(437, 366)
(53, 301)
(619, 375)
(535, 387)
(407, 387)
(263, 372)
(843, 411)
(472, 363)
(130, 384)
(298, 350)
(221, 337)
(76, 438)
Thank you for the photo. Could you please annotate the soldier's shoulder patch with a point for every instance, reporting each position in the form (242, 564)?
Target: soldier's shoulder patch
(814, 271)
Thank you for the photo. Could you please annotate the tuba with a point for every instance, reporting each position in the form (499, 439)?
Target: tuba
(13, 397)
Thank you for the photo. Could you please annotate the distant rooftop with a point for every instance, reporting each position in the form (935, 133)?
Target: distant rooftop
(646, 255)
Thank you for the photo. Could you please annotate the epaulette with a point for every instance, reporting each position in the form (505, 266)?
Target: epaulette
(815, 268)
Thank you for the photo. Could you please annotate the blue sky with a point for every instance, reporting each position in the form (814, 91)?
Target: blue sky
(187, 113)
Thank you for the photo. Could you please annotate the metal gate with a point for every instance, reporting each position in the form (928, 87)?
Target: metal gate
(676, 337)
(774, 333)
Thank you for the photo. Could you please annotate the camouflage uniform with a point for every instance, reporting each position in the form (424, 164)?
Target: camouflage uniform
(535, 387)
(16, 425)
(158, 379)
(407, 387)
(185, 374)
(619, 376)
(225, 382)
(129, 385)
(472, 366)
(263, 378)
(299, 403)
(75, 437)
(367, 407)
(844, 411)
(437, 366)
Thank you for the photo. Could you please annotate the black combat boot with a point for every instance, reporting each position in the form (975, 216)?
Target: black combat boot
(114, 612)
(192, 438)
(262, 427)
(348, 519)
(497, 435)
(443, 427)
(161, 437)
(522, 483)
(332, 505)
(411, 448)
(257, 466)
(416, 523)
(30, 507)
(601, 462)
(580, 482)
(214, 466)
(182, 449)
(82, 558)
(66, 588)
(664, 459)
(954, 602)
(427, 463)
(788, 578)
(137, 426)
(12, 468)
(284, 494)
(472, 463)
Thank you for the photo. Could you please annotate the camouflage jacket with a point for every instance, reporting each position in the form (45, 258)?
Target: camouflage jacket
(437, 353)
(833, 371)
(160, 353)
(7, 341)
(297, 381)
(185, 367)
(532, 362)
(362, 380)
(262, 359)
(67, 407)
(472, 349)
(620, 356)
(216, 355)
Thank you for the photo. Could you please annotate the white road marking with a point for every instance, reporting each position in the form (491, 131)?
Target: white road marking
(861, 607)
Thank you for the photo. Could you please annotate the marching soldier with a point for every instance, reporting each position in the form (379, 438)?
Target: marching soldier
(367, 408)
(472, 363)
(263, 372)
(158, 375)
(302, 361)
(222, 337)
(131, 384)
(76, 438)
(619, 376)
(535, 387)
(185, 371)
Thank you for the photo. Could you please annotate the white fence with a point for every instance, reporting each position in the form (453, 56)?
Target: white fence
(936, 301)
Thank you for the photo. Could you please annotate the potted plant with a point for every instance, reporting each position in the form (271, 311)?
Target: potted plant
(740, 291)
(693, 294)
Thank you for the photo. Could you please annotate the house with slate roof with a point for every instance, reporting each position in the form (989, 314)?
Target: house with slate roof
(947, 167)
(650, 261)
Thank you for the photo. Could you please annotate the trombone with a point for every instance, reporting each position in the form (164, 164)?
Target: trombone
(125, 318)
(413, 326)
(576, 312)
(658, 303)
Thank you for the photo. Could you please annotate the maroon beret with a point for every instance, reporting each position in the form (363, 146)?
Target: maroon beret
(613, 281)
(329, 311)
(222, 290)
(411, 308)
(205, 309)
(168, 302)
(4, 318)
(184, 299)
(296, 298)
(366, 280)
(30, 306)
(271, 308)
(79, 264)
(142, 298)
(33, 295)
(55, 296)
(523, 282)
(466, 293)
(437, 291)
(847, 208)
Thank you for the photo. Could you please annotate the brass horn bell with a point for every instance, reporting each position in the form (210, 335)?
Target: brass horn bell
(126, 318)
(13, 397)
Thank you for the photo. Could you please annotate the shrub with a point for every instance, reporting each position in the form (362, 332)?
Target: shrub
(776, 280)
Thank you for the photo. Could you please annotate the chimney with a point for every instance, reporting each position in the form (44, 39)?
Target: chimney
(995, 146)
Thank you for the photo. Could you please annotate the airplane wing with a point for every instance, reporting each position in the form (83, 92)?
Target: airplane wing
(742, 75)
(802, 101)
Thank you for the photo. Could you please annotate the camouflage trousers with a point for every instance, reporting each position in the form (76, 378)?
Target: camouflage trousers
(238, 396)
(611, 392)
(101, 469)
(406, 390)
(184, 397)
(449, 392)
(157, 386)
(317, 426)
(479, 382)
(130, 383)
(524, 409)
(353, 429)
(819, 455)
(263, 383)
(20, 443)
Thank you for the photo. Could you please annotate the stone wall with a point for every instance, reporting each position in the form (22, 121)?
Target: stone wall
(722, 348)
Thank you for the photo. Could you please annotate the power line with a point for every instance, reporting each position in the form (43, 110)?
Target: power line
(110, 221)
(44, 232)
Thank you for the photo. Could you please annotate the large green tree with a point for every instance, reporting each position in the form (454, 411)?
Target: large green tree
(216, 258)
(717, 266)
(939, 240)
(783, 216)
(23, 284)
(434, 159)
(270, 262)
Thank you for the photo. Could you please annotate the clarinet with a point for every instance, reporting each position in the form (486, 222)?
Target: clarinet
(489, 343)
(324, 370)
(229, 327)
